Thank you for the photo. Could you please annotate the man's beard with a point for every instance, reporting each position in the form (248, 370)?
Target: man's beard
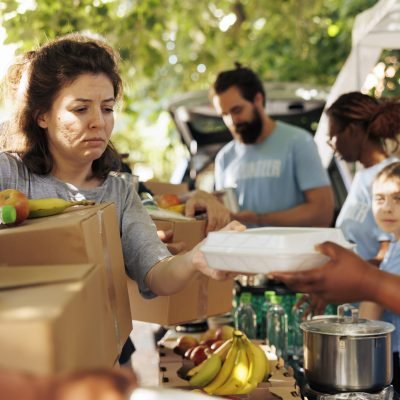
(250, 131)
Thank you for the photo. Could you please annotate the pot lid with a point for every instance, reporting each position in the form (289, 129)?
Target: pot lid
(346, 326)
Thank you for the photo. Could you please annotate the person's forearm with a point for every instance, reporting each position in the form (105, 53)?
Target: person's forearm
(302, 215)
(171, 275)
(386, 291)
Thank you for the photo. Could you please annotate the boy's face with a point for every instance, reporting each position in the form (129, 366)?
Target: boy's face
(386, 205)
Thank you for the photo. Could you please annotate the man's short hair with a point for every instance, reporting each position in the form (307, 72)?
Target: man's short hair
(247, 81)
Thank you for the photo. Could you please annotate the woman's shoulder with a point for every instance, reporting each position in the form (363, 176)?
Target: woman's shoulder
(5, 155)
(11, 160)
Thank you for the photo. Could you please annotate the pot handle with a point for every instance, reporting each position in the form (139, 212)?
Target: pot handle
(354, 312)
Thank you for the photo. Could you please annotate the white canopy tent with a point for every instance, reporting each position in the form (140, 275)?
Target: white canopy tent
(374, 30)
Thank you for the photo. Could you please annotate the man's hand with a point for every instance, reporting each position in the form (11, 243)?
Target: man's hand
(217, 214)
(246, 217)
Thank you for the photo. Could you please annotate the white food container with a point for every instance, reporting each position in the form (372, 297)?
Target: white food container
(263, 250)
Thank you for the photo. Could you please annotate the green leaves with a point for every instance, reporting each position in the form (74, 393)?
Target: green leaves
(163, 42)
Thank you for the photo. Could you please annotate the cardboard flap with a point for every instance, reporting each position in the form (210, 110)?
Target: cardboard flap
(22, 277)
(165, 187)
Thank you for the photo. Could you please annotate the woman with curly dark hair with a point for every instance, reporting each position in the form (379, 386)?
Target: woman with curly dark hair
(364, 129)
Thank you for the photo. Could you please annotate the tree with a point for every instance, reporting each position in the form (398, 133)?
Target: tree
(172, 46)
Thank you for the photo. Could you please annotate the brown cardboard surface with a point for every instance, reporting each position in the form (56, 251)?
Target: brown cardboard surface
(201, 298)
(165, 187)
(192, 303)
(55, 319)
(82, 235)
(190, 232)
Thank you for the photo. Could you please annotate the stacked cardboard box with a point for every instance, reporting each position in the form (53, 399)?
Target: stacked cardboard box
(85, 235)
(203, 297)
(54, 319)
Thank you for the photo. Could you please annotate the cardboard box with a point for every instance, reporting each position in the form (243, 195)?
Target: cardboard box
(165, 187)
(82, 235)
(55, 319)
(201, 298)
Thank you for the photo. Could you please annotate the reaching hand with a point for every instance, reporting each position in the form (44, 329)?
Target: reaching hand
(344, 278)
(217, 214)
(315, 305)
(200, 262)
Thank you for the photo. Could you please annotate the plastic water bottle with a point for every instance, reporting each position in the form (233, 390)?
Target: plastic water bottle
(245, 316)
(277, 328)
(298, 318)
(287, 301)
(264, 309)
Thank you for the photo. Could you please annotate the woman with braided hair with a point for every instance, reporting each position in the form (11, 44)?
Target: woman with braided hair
(364, 129)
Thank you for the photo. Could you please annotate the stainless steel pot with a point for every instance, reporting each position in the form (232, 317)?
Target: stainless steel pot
(347, 353)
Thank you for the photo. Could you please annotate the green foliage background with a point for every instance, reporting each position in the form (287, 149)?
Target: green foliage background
(283, 40)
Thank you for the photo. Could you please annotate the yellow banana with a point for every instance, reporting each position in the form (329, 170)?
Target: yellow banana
(240, 371)
(223, 350)
(51, 206)
(193, 371)
(225, 370)
(207, 373)
(258, 366)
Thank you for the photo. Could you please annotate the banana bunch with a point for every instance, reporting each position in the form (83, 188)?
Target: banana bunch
(51, 206)
(236, 367)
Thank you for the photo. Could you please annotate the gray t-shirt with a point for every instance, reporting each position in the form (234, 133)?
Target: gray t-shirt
(141, 246)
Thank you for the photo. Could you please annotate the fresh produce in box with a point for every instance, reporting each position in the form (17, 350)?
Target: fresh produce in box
(167, 200)
(52, 206)
(8, 215)
(18, 200)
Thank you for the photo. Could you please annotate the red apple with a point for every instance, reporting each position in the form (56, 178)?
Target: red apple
(199, 354)
(189, 352)
(184, 343)
(167, 200)
(216, 344)
(18, 200)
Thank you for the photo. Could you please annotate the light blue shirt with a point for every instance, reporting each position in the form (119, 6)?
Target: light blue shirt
(272, 175)
(356, 218)
(391, 263)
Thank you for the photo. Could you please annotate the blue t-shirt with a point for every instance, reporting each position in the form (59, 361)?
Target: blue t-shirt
(272, 175)
(356, 218)
(391, 263)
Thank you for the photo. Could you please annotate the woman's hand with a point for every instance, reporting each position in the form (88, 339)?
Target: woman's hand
(199, 261)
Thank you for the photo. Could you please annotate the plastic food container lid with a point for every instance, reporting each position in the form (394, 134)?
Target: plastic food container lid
(344, 326)
(262, 250)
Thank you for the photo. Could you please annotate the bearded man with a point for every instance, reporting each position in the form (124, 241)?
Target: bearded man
(274, 167)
